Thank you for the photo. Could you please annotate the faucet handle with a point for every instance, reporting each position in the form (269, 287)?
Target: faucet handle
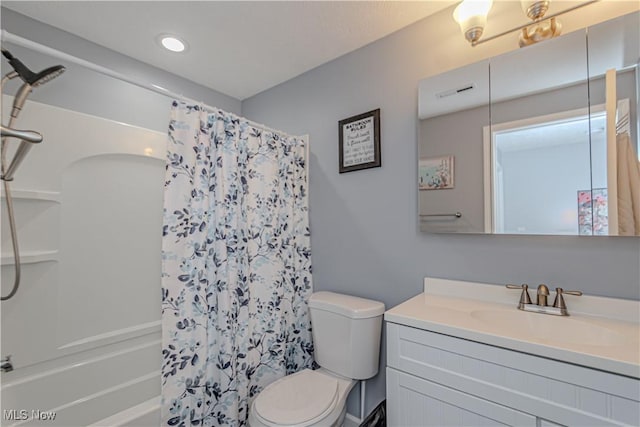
(576, 293)
(524, 296)
(559, 301)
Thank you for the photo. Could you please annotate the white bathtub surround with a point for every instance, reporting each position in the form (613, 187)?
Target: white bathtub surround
(236, 272)
(84, 329)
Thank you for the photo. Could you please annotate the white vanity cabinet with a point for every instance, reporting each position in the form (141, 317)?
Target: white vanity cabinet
(435, 379)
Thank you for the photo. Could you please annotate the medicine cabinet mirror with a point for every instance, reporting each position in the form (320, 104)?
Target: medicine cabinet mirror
(531, 142)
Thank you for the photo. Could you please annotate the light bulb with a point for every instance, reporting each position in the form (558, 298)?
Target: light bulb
(472, 17)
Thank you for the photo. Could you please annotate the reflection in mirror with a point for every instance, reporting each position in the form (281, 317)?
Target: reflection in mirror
(538, 143)
(541, 157)
(614, 51)
(454, 109)
(555, 150)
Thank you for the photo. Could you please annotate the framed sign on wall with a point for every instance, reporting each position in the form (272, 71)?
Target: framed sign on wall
(359, 142)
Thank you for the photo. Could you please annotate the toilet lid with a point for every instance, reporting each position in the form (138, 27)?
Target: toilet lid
(298, 399)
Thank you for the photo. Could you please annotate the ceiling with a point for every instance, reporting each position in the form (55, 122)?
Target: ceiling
(239, 48)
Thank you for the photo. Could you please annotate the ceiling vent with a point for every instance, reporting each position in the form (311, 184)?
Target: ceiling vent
(451, 92)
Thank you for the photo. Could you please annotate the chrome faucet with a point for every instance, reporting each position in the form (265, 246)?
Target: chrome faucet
(5, 364)
(559, 307)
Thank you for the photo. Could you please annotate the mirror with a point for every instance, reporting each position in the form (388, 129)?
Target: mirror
(523, 143)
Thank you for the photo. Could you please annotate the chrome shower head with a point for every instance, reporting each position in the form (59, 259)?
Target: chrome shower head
(28, 76)
(30, 79)
(46, 75)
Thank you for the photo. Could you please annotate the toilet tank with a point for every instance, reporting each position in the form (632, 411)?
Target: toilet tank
(346, 333)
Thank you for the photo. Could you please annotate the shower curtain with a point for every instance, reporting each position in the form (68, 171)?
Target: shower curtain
(236, 265)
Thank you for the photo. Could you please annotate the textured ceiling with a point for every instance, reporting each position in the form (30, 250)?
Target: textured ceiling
(239, 48)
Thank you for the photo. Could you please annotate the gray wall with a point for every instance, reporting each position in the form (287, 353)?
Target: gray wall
(86, 91)
(365, 237)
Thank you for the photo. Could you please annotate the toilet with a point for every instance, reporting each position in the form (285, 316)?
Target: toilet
(346, 336)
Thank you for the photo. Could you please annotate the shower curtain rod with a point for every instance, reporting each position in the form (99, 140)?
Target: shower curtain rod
(37, 47)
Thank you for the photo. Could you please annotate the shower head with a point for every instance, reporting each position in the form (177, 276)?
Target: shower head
(28, 76)
(46, 75)
(30, 79)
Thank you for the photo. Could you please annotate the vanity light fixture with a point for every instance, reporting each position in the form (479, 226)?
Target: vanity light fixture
(471, 15)
(172, 43)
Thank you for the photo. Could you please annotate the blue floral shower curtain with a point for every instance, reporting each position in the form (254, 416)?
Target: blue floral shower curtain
(236, 265)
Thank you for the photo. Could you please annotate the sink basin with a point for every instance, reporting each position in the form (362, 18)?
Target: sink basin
(549, 328)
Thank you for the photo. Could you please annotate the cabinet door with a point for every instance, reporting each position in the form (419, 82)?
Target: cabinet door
(412, 402)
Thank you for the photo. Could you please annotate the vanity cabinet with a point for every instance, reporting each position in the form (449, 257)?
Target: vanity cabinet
(435, 379)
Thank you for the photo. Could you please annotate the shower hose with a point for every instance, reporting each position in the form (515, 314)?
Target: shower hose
(12, 222)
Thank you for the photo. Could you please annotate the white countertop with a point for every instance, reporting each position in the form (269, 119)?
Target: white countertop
(600, 333)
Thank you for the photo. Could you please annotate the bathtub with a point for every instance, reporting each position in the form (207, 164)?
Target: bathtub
(116, 385)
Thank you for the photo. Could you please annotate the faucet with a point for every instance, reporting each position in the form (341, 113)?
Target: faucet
(5, 364)
(559, 307)
(543, 293)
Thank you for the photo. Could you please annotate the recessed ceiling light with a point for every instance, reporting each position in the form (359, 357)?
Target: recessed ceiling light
(172, 43)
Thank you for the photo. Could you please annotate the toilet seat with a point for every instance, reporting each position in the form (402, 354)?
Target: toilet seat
(299, 400)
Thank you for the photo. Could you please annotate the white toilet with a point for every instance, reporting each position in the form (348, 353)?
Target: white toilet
(346, 337)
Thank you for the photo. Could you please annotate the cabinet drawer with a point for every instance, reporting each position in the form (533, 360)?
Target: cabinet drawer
(560, 392)
(413, 401)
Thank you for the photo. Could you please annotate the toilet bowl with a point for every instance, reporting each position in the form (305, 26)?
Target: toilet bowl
(304, 399)
(346, 337)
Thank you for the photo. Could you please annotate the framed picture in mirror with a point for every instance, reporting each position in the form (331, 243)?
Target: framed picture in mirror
(435, 173)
